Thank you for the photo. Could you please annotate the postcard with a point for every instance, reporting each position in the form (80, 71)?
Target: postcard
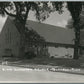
(41, 41)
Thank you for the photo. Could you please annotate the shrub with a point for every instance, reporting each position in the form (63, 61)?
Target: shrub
(30, 55)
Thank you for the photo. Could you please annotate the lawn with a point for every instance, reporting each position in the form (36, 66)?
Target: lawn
(63, 62)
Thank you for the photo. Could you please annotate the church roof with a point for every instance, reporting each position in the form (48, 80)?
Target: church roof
(52, 33)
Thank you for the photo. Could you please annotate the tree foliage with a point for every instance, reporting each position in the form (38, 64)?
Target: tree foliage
(81, 23)
(19, 10)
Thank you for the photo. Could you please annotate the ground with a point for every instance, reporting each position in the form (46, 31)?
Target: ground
(20, 74)
(42, 70)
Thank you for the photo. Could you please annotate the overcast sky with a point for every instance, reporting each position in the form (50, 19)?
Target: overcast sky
(54, 19)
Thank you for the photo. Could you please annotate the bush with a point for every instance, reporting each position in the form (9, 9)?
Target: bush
(52, 57)
(30, 55)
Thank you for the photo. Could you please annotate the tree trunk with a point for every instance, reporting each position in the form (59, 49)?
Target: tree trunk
(77, 42)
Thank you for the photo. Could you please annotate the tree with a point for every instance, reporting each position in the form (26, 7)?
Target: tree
(81, 26)
(81, 23)
(33, 38)
(75, 9)
(19, 10)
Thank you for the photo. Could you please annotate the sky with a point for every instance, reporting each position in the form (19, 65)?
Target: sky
(54, 19)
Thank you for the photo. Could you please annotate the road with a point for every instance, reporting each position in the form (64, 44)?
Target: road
(24, 75)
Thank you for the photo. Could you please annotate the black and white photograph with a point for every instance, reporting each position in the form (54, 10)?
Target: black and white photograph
(41, 41)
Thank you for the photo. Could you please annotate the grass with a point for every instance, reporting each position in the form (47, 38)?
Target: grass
(49, 63)
(63, 62)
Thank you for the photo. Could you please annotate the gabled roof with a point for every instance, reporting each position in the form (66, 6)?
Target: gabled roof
(49, 32)
(17, 24)
(52, 33)
(10, 21)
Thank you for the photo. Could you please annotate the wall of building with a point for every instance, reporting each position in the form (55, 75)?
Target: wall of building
(9, 38)
(54, 34)
(61, 52)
